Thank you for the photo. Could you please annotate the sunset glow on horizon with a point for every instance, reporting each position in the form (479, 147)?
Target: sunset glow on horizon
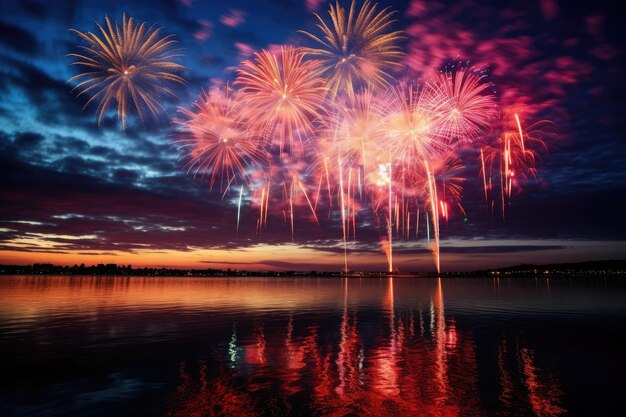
(459, 256)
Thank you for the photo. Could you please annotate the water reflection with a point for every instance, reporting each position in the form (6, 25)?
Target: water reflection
(216, 397)
(395, 367)
(540, 391)
(102, 346)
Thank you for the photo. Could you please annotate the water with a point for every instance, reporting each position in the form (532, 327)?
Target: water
(103, 346)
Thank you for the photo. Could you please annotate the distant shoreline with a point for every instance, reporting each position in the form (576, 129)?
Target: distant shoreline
(589, 268)
(338, 275)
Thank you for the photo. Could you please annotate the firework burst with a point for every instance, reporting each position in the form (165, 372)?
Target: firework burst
(215, 136)
(357, 48)
(413, 126)
(464, 104)
(355, 132)
(283, 93)
(128, 67)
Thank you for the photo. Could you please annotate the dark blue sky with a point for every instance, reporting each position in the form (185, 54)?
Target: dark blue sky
(71, 190)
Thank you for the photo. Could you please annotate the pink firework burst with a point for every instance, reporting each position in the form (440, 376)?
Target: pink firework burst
(464, 103)
(216, 138)
(282, 94)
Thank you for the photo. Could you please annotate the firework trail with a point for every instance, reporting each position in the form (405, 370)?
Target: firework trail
(381, 193)
(351, 140)
(342, 207)
(283, 93)
(216, 139)
(389, 218)
(239, 207)
(512, 159)
(448, 176)
(357, 49)
(284, 187)
(416, 139)
(293, 188)
(128, 67)
(483, 171)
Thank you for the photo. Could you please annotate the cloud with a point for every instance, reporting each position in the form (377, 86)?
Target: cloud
(262, 262)
(234, 18)
(549, 8)
(18, 39)
(314, 5)
(122, 216)
(519, 55)
(499, 249)
(64, 11)
(127, 176)
(28, 140)
(205, 31)
(244, 50)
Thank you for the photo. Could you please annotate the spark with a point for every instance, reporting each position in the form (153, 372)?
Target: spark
(521, 134)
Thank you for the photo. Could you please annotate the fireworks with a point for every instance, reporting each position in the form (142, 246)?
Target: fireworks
(413, 128)
(511, 160)
(416, 141)
(448, 172)
(352, 143)
(466, 107)
(354, 133)
(359, 142)
(129, 68)
(215, 135)
(283, 92)
(358, 49)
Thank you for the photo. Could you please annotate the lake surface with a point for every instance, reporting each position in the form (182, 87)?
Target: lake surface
(105, 346)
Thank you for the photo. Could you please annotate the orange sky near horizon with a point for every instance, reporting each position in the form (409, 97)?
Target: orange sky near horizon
(260, 257)
(290, 256)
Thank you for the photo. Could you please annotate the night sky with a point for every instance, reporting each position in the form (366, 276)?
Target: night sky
(73, 192)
